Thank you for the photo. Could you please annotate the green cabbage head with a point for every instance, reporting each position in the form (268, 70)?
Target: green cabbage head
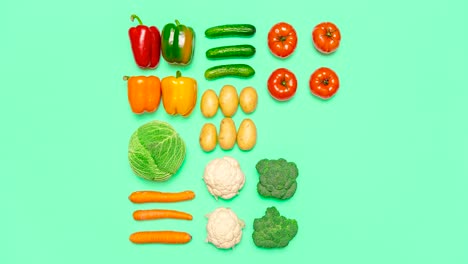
(156, 151)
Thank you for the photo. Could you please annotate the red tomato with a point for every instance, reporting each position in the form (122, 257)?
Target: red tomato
(282, 39)
(324, 83)
(282, 84)
(326, 37)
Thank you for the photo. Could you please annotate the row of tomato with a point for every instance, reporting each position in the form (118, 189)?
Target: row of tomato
(282, 38)
(323, 83)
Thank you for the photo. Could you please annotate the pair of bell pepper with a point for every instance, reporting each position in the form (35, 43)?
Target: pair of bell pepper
(177, 44)
(179, 94)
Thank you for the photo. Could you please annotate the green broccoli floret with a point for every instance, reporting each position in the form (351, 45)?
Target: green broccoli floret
(273, 230)
(277, 178)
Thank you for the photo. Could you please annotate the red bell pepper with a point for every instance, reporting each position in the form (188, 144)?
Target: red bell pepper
(146, 44)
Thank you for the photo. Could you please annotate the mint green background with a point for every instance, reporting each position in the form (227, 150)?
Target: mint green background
(383, 165)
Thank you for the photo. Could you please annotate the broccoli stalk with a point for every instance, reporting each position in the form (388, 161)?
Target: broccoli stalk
(273, 230)
(277, 178)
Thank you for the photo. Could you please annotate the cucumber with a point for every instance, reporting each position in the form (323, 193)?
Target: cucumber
(235, 70)
(231, 51)
(230, 30)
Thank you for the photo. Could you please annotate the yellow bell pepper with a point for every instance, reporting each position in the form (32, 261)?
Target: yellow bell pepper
(179, 94)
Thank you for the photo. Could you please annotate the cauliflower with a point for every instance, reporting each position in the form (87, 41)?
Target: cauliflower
(223, 177)
(224, 228)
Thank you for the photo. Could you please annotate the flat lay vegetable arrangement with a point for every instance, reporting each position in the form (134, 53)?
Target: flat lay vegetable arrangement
(156, 152)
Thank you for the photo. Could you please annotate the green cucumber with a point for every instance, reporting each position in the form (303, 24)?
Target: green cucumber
(234, 70)
(230, 30)
(231, 51)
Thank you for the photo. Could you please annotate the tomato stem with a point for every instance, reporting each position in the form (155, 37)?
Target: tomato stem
(325, 81)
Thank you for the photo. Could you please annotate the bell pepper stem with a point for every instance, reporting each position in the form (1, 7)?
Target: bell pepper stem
(125, 78)
(132, 17)
(177, 22)
(178, 74)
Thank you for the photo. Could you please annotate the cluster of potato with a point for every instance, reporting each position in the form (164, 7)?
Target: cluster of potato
(228, 101)
(245, 137)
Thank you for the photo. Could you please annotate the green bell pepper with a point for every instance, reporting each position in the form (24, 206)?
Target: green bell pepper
(177, 43)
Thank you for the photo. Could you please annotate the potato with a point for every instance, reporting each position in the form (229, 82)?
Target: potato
(227, 134)
(209, 103)
(248, 99)
(247, 135)
(208, 137)
(228, 100)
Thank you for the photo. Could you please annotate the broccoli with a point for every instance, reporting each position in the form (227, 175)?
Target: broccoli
(277, 178)
(273, 230)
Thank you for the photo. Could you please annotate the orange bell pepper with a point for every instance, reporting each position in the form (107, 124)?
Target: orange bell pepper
(144, 93)
(179, 94)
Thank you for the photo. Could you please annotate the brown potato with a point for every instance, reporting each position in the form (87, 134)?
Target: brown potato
(209, 103)
(228, 100)
(227, 134)
(208, 137)
(248, 99)
(247, 135)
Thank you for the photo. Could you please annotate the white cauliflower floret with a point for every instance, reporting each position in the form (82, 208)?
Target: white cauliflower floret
(223, 177)
(224, 228)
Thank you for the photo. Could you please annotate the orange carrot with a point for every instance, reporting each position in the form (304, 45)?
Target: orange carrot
(160, 214)
(160, 197)
(162, 237)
